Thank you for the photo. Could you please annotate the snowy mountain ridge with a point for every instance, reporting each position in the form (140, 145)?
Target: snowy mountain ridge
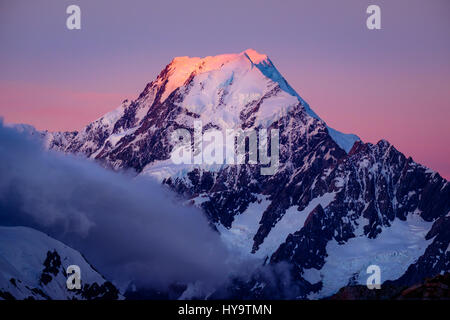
(33, 266)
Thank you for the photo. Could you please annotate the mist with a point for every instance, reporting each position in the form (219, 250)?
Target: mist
(130, 229)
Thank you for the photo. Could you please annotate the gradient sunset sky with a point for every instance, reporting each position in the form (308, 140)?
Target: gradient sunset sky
(392, 83)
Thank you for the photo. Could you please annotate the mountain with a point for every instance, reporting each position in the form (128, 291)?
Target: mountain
(33, 266)
(334, 206)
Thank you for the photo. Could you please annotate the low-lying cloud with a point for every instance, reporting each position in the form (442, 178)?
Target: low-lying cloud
(128, 228)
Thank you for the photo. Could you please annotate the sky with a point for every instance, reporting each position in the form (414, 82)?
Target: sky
(392, 83)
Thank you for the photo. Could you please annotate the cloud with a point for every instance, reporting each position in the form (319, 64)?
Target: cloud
(128, 228)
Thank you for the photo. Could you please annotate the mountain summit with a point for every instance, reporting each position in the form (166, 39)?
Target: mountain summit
(224, 90)
(335, 205)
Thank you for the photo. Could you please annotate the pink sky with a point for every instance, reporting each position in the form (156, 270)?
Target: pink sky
(393, 83)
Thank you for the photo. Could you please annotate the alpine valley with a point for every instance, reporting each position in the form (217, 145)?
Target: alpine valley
(335, 206)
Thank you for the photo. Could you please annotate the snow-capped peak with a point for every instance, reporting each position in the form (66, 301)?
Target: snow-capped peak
(181, 68)
(255, 56)
(234, 80)
(226, 91)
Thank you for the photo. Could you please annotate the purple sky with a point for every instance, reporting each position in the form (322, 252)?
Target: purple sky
(392, 83)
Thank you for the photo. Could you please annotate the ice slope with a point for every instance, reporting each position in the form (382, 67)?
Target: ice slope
(23, 252)
(394, 250)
